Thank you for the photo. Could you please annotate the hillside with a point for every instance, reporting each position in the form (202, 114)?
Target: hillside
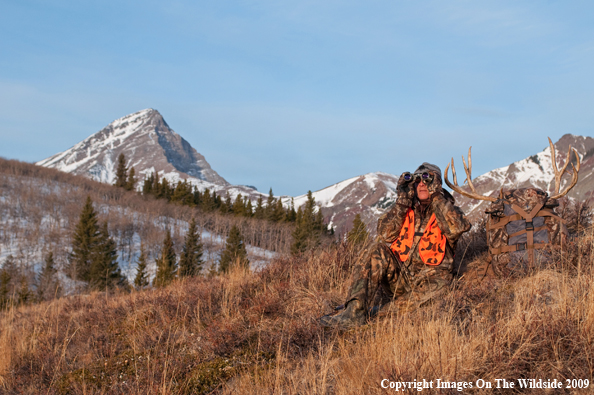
(39, 208)
(254, 333)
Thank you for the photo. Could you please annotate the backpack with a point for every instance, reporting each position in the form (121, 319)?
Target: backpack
(522, 222)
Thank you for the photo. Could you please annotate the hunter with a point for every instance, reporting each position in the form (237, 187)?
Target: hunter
(412, 258)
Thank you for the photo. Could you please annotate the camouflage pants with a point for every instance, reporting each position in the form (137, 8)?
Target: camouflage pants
(380, 277)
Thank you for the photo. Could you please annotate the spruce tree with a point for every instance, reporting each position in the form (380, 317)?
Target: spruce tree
(238, 207)
(84, 240)
(141, 280)
(190, 261)
(260, 212)
(358, 234)
(235, 252)
(121, 172)
(166, 263)
(147, 187)
(48, 286)
(270, 206)
(105, 271)
(309, 227)
(131, 181)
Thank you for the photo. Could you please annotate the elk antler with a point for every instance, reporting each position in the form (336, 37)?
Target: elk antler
(468, 170)
(559, 174)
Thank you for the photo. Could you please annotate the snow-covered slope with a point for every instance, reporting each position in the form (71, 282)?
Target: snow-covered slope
(149, 146)
(369, 195)
(536, 170)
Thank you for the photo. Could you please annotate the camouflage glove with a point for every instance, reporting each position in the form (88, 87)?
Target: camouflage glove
(406, 188)
(434, 187)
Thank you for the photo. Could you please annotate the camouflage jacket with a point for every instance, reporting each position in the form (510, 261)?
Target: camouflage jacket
(450, 219)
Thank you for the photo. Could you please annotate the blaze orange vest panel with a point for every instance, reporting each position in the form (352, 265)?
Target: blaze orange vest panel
(403, 242)
(431, 244)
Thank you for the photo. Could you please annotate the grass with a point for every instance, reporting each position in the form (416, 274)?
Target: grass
(257, 333)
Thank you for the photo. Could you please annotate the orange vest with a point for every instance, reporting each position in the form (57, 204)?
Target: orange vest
(431, 245)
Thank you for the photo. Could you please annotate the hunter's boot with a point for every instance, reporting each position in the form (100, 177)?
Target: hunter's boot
(352, 316)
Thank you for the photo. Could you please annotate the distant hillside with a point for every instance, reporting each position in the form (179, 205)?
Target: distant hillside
(39, 208)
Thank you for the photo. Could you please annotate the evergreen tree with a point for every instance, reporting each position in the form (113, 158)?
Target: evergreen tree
(278, 214)
(190, 261)
(238, 207)
(156, 185)
(270, 206)
(131, 182)
(121, 172)
(141, 280)
(249, 209)
(48, 285)
(84, 240)
(147, 187)
(166, 263)
(358, 234)
(291, 215)
(105, 271)
(197, 197)
(260, 213)
(309, 226)
(235, 252)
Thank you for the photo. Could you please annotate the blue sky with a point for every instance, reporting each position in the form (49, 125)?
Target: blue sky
(298, 95)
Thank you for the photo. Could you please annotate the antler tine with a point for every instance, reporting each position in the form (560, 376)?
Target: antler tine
(468, 170)
(455, 187)
(574, 176)
(453, 172)
(554, 161)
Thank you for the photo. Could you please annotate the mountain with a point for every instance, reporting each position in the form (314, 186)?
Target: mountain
(149, 145)
(369, 195)
(535, 170)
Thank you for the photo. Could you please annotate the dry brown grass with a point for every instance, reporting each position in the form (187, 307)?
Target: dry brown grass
(245, 333)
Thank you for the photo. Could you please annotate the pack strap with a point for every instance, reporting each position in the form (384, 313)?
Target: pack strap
(527, 230)
(517, 247)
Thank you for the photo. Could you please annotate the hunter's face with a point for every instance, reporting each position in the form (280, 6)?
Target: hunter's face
(422, 191)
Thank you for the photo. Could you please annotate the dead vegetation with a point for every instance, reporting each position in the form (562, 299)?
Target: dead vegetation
(257, 333)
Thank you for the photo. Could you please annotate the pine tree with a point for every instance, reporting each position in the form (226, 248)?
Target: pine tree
(260, 213)
(309, 227)
(131, 182)
(147, 187)
(190, 261)
(291, 215)
(238, 207)
(105, 271)
(121, 172)
(166, 263)
(249, 209)
(278, 214)
(84, 240)
(235, 252)
(48, 285)
(270, 205)
(358, 234)
(141, 280)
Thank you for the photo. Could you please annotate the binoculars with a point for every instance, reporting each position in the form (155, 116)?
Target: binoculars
(426, 177)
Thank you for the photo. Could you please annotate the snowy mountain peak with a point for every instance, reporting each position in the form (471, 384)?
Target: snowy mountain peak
(149, 146)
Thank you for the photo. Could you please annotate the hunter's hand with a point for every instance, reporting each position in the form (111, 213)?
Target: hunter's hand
(434, 187)
(406, 188)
